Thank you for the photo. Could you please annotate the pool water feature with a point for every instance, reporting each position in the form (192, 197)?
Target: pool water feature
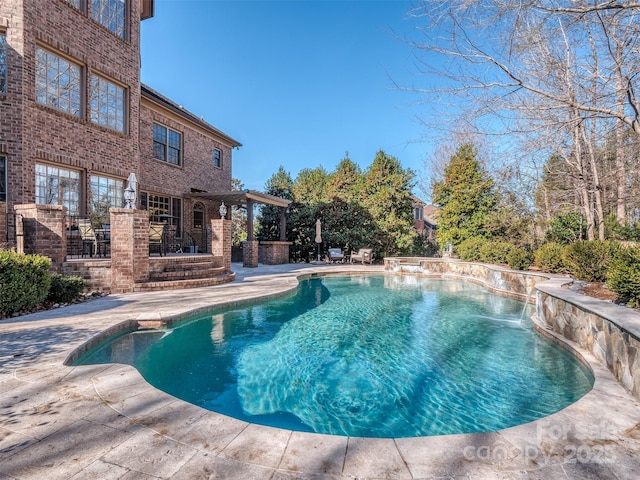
(369, 356)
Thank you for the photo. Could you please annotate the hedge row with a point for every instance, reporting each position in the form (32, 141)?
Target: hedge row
(591, 261)
(26, 282)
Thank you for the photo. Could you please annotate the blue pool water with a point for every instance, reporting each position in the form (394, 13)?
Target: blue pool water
(371, 356)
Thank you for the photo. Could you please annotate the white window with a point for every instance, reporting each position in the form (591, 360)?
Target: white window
(57, 82)
(111, 14)
(417, 213)
(217, 158)
(107, 103)
(58, 186)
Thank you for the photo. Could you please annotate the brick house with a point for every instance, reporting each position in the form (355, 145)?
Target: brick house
(425, 219)
(76, 121)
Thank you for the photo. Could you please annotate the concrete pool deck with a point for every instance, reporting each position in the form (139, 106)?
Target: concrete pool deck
(106, 422)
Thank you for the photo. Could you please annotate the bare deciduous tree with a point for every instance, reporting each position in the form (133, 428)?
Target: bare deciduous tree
(559, 73)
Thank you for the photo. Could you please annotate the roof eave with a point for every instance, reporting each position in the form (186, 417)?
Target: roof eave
(146, 9)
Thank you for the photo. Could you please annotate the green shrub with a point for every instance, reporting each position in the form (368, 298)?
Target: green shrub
(589, 260)
(623, 276)
(469, 249)
(550, 258)
(495, 252)
(24, 281)
(65, 289)
(519, 259)
(566, 228)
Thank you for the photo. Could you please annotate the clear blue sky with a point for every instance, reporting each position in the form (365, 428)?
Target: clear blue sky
(297, 82)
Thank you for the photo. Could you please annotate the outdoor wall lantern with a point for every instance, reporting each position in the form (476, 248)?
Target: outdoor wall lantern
(223, 210)
(129, 197)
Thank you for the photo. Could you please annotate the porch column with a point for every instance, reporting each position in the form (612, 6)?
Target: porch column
(129, 248)
(221, 241)
(283, 224)
(250, 220)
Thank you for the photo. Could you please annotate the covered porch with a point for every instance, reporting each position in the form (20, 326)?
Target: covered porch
(273, 252)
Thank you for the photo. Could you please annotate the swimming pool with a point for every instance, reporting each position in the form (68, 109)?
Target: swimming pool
(372, 356)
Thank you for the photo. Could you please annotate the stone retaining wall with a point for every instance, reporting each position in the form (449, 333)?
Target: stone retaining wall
(611, 332)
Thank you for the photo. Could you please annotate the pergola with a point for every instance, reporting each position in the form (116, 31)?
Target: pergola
(248, 198)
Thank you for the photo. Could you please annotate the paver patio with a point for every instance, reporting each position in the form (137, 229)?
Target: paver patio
(106, 422)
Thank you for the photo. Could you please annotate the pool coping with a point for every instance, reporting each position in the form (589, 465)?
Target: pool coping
(105, 421)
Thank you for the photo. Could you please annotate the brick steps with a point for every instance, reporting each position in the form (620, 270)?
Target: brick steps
(169, 275)
(191, 265)
(184, 272)
(185, 283)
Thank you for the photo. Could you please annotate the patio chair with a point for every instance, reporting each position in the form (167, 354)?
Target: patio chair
(335, 255)
(156, 237)
(364, 255)
(89, 237)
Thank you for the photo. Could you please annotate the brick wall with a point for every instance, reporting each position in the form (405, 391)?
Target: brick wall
(43, 232)
(250, 253)
(275, 253)
(55, 137)
(96, 272)
(197, 170)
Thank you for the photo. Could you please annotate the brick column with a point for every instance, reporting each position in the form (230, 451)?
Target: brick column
(250, 254)
(43, 232)
(221, 241)
(129, 248)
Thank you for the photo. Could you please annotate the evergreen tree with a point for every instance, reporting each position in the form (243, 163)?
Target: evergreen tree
(390, 202)
(346, 182)
(466, 196)
(310, 186)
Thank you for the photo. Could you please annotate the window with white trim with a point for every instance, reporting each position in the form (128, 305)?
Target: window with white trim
(111, 14)
(58, 82)
(417, 213)
(3, 63)
(217, 158)
(167, 144)
(58, 186)
(107, 103)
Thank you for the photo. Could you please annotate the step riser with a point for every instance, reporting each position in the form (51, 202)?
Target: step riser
(167, 276)
(190, 283)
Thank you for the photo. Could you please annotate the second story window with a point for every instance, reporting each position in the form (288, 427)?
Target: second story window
(107, 103)
(417, 213)
(167, 145)
(3, 63)
(57, 82)
(217, 158)
(111, 14)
